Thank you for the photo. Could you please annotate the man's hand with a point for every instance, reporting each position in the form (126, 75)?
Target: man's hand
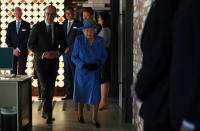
(67, 50)
(16, 52)
(133, 93)
(184, 128)
(50, 54)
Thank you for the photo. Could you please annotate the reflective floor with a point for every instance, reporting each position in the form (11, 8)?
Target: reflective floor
(66, 118)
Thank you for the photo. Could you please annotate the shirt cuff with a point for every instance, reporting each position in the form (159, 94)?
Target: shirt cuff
(188, 124)
(42, 56)
(18, 49)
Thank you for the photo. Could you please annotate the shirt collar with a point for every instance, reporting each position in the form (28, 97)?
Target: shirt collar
(71, 21)
(47, 24)
(20, 21)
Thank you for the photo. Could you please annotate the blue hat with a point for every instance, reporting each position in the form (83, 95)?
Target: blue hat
(90, 23)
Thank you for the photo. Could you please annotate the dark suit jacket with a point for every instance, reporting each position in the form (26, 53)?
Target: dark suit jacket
(185, 72)
(153, 78)
(73, 32)
(18, 40)
(38, 43)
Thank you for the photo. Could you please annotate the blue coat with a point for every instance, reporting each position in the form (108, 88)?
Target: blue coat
(86, 83)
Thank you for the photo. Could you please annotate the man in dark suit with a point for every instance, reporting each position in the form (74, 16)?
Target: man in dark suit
(71, 31)
(88, 13)
(17, 38)
(153, 79)
(47, 42)
(185, 70)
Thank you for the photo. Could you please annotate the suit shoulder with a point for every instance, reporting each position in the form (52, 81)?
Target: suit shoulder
(78, 23)
(65, 22)
(37, 26)
(11, 23)
(57, 24)
(27, 23)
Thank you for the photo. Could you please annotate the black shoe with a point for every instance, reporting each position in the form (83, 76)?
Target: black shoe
(45, 116)
(81, 120)
(49, 121)
(53, 119)
(66, 98)
(39, 98)
(96, 124)
(13, 75)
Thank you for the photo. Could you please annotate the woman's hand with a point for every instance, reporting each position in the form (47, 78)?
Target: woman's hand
(133, 92)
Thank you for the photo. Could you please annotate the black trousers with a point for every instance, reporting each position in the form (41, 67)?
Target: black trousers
(69, 74)
(39, 87)
(47, 78)
(21, 60)
(160, 126)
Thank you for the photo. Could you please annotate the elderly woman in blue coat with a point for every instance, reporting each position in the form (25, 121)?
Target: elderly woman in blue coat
(89, 55)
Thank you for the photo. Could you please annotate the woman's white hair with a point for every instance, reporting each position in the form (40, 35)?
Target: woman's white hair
(95, 30)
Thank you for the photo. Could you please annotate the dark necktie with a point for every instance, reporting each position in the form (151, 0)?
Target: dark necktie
(49, 34)
(68, 27)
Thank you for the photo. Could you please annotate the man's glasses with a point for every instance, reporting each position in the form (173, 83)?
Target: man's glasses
(50, 14)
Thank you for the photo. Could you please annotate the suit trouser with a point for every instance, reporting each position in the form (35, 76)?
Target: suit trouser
(158, 126)
(155, 109)
(39, 87)
(47, 79)
(69, 73)
(22, 59)
(161, 123)
(156, 117)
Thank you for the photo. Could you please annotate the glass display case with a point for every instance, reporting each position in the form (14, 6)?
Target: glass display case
(17, 92)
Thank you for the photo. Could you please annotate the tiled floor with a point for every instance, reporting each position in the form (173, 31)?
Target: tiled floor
(66, 120)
